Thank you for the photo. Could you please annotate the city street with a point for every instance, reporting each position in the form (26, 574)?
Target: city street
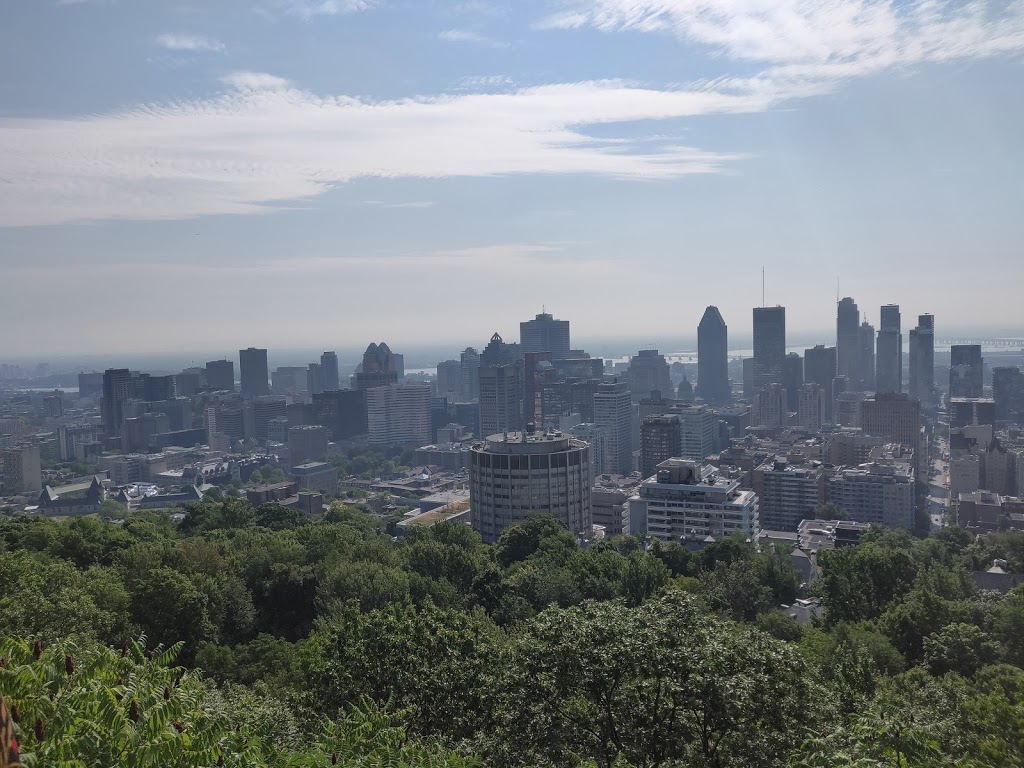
(938, 486)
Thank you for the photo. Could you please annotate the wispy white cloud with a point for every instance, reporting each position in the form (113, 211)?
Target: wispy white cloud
(266, 144)
(188, 43)
(484, 82)
(252, 81)
(469, 36)
(309, 8)
(817, 38)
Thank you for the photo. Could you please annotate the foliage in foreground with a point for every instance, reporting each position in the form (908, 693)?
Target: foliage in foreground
(329, 639)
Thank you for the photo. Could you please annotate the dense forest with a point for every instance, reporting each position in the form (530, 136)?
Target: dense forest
(254, 637)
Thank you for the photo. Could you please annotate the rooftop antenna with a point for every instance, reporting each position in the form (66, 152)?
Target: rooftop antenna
(762, 286)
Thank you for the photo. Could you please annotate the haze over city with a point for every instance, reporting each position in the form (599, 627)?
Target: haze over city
(189, 176)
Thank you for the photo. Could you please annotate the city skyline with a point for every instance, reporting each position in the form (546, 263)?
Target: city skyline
(250, 156)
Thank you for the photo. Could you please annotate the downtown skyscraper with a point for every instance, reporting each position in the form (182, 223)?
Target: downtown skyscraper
(922, 359)
(820, 369)
(769, 346)
(713, 358)
(252, 365)
(966, 373)
(545, 334)
(329, 365)
(889, 357)
(848, 341)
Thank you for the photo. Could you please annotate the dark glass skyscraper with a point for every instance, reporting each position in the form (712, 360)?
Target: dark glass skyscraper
(889, 357)
(118, 388)
(769, 346)
(713, 358)
(329, 364)
(793, 373)
(220, 375)
(848, 344)
(252, 364)
(820, 369)
(922, 359)
(867, 357)
(965, 371)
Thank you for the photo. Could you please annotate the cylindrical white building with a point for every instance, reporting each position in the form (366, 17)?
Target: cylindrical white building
(515, 476)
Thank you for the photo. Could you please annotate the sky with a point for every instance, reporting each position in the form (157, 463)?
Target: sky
(188, 175)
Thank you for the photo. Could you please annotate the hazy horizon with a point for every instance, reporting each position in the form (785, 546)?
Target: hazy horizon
(427, 355)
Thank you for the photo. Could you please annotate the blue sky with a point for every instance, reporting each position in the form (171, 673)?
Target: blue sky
(298, 173)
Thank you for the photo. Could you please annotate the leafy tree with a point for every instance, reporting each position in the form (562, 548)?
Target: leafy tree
(1008, 625)
(428, 661)
(645, 575)
(51, 599)
(170, 608)
(736, 589)
(520, 541)
(860, 582)
(960, 648)
(656, 685)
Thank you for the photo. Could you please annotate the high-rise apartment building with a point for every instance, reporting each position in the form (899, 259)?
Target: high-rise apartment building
(22, 468)
(770, 407)
(500, 399)
(220, 375)
(820, 369)
(686, 500)
(118, 389)
(660, 438)
(769, 346)
(545, 334)
(515, 476)
(306, 443)
(840, 386)
(649, 372)
(399, 414)
(329, 364)
(922, 360)
(889, 357)
(613, 411)
(875, 493)
(592, 435)
(697, 425)
(713, 358)
(263, 410)
(867, 357)
(896, 417)
(966, 372)
(787, 493)
(378, 368)
(810, 410)
(848, 346)
(252, 363)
